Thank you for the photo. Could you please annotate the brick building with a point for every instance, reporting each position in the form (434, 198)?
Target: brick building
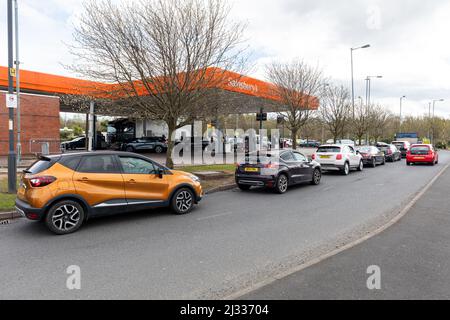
(39, 123)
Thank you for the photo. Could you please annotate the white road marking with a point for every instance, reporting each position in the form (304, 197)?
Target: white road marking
(216, 216)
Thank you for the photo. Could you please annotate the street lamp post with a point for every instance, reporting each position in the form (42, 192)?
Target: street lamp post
(433, 119)
(368, 95)
(401, 100)
(429, 121)
(370, 85)
(17, 62)
(12, 164)
(353, 84)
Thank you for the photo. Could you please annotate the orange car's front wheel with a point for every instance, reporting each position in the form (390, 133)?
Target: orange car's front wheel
(182, 201)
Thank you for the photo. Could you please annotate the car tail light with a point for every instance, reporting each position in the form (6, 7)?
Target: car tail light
(389, 151)
(313, 156)
(32, 216)
(271, 165)
(40, 182)
(339, 157)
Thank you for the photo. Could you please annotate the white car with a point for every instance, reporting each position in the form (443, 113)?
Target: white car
(337, 157)
(343, 141)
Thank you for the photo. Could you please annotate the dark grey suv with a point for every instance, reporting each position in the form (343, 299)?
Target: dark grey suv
(149, 144)
(277, 171)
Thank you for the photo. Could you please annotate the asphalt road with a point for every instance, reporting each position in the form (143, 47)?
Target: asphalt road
(413, 257)
(231, 241)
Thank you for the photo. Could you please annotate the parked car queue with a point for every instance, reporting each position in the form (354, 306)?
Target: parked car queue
(66, 190)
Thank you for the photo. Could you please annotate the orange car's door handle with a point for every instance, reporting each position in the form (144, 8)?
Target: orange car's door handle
(84, 179)
(132, 181)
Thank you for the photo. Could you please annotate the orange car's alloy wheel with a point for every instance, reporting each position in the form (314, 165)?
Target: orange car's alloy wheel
(65, 217)
(183, 201)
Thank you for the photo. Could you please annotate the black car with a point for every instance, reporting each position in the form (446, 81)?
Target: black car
(77, 143)
(391, 152)
(310, 144)
(403, 146)
(372, 156)
(80, 143)
(152, 144)
(277, 172)
(196, 143)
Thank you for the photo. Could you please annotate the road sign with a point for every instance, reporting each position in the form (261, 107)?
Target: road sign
(261, 117)
(12, 72)
(11, 101)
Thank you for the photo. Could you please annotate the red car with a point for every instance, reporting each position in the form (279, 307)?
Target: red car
(422, 153)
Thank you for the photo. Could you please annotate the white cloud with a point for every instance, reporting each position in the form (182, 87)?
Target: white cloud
(408, 38)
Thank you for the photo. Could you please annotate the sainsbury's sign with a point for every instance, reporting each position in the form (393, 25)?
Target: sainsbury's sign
(243, 85)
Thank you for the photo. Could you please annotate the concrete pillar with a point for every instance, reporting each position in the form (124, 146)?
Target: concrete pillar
(91, 133)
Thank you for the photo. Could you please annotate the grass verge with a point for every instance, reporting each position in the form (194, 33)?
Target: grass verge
(7, 201)
(225, 179)
(216, 167)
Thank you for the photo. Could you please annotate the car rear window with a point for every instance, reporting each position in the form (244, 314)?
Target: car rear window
(98, 164)
(70, 162)
(329, 149)
(264, 159)
(41, 165)
(365, 149)
(420, 150)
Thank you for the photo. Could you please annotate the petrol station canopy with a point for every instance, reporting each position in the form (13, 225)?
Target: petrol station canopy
(237, 94)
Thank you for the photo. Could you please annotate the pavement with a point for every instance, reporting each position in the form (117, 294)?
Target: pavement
(230, 242)
(413, 257)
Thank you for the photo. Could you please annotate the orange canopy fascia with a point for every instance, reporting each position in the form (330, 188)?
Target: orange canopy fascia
(53, 84)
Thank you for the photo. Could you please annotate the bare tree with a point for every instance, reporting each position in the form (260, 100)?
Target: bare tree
(163, 56)
(296, 85)
(379, 120)
(335, 110)
(361, 122)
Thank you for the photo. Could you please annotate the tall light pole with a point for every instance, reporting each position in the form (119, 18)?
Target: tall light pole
(12, 165)
(434, 103)
(370, 85)
(401, 100)
(429, 120)
(368, 93)
(432, 121)
(353, 84)
(17, 62)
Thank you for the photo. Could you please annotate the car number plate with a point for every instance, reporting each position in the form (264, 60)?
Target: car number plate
(325, 157)
(419, 158)
(251, 169)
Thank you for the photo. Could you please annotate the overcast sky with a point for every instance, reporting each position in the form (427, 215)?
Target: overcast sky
(409, 39)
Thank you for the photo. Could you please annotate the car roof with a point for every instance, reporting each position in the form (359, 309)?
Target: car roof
(92, 153)
(421, 145)
(332, 145)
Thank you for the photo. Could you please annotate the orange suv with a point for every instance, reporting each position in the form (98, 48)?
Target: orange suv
(66, 190)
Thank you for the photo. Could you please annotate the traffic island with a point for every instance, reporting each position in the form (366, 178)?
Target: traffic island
(215, 181)
(214, 178)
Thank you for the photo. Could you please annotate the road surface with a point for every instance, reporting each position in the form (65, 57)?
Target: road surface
(413, 258)
(231, 241)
